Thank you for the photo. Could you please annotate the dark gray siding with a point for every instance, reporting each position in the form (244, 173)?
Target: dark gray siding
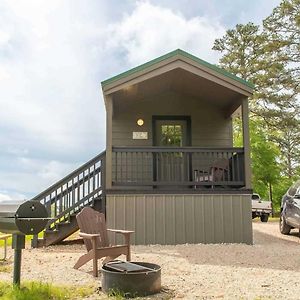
(209, 126)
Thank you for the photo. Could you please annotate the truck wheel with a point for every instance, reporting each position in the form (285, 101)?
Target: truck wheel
(264, 218)
(283, 227)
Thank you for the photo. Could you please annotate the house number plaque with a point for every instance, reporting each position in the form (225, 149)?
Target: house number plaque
(140, 135)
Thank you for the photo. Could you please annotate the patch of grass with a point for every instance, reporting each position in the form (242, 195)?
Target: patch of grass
(42, 291)
(118, 295)
(275, 219)
(28, 239)
(115, 294)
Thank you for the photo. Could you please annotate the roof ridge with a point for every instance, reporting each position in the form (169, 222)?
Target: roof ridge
(172, 54)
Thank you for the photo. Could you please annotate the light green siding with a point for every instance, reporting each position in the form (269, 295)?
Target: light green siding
(180, 219)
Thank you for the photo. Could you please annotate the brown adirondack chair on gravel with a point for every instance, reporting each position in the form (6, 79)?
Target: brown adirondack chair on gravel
(94, 233)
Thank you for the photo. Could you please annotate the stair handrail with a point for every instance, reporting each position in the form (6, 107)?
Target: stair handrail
(69, 176)
(83, 186)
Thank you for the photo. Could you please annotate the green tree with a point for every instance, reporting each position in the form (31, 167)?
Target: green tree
(288, 140)
(264, 154)
(282, 29)
(242, 49)
(244, 54)
(250, 53)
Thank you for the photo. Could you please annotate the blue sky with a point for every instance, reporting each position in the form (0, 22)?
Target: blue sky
(53, 56)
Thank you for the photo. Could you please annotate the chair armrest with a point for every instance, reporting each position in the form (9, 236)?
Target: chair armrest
(220, 168)
(125, 233)
(201, 171)
(121, 231)
(89, 235)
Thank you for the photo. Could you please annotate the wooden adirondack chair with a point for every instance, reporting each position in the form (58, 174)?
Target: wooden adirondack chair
(94, 233)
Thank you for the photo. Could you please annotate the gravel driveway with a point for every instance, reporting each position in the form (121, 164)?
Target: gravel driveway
(270, 269)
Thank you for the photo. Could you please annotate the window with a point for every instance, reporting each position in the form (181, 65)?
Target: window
(171, 135)
(255, 197)
(293, 189)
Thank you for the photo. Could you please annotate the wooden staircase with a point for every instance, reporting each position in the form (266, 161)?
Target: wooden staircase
(65, 199)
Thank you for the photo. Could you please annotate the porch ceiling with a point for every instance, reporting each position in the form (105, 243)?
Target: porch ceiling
(184, 82)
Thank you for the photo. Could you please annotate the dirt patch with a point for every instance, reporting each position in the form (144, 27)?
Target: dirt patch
(270, 269)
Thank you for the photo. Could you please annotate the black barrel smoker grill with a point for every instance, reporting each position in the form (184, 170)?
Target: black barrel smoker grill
(20, 219)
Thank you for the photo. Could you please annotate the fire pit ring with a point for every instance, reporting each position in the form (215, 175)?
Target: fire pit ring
(133, 279)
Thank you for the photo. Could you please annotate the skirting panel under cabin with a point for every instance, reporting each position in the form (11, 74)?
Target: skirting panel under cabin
(180, 219)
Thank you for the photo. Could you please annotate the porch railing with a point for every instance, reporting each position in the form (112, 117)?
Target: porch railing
(183, 167)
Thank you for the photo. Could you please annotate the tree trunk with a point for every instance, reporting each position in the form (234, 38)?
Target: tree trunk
(271, 198)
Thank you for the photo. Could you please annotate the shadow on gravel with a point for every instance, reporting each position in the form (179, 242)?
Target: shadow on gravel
(77, 241)
(268, 252)
(263, 238)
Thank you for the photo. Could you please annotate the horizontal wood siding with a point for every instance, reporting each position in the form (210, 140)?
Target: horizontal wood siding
(180, 219)
(209, 126)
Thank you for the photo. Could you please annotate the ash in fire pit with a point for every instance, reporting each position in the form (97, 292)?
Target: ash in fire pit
(131, 278)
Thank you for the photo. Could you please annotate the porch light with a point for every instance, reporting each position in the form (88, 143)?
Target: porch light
(140, 122)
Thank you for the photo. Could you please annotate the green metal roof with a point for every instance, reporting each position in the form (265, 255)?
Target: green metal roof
(169, 55)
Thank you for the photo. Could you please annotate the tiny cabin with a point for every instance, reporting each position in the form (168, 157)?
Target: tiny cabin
(171, 171)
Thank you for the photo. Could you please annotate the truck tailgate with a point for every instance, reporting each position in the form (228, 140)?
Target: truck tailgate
(259, 205)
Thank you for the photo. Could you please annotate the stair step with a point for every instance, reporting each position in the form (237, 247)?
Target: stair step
(66, 226)
(62, 224)
(58, 235)
(50, 231)
(40, 243)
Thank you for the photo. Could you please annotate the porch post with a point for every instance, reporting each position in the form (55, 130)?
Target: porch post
(108, 160)
(246, 142)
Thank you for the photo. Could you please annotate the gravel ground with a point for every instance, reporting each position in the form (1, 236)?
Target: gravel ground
(270, 269)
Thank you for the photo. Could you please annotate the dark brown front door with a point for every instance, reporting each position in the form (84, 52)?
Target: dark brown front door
(171, 166)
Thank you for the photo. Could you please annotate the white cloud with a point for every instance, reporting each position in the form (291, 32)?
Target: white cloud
(33, 176)
(51, 111)
(9, 196)
(44, 78)
(4, 197)
(4, 74)
(150, 31)
(4, 38)
(53, 55)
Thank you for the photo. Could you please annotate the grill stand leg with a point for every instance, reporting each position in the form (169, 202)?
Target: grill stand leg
(34, 241)
(18, 243)
(5, 249)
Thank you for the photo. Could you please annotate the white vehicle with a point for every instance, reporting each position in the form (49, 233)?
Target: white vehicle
(261, 208)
